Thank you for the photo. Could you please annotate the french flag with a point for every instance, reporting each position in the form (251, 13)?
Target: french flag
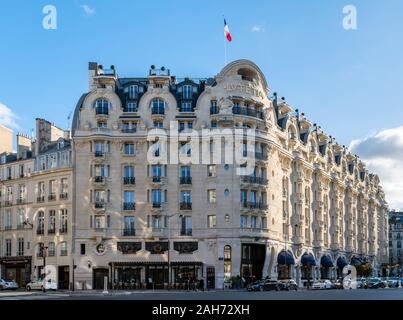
(227, 34)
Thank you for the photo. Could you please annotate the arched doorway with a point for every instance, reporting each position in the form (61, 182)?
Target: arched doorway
(285, 261)
(326, 266)
(307, 264)
(341, 263)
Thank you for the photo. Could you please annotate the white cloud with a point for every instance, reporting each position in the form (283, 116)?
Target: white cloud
(257, 28)
(383, 154)
(89, 11)
(7, 117)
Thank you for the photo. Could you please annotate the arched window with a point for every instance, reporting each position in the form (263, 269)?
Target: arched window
(227, 262)
(158, 106)
(102, 107)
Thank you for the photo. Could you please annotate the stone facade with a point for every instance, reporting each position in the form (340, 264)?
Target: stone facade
(395, 242)
(302, 207)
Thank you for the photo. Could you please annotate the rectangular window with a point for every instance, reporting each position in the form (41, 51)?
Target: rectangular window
(63, 220)
(129, 171)
(243, 197)
(8, 248)
(131, 107)
(82, 249)
(158, 124)
(133, 91)
(129, 196)
(212, 196)
(52, 222)
(211, 221)
(186, 107)
(156, 222)
(186, 197)
(8, 220)
(20, 251)
(20, 218)
(129, 149)
(99, 222)
(244, 221)
(211, 170)
(128, 226)
(253, 222)
(156, 196)
(264, 223)
(186, 226)
(185, 171)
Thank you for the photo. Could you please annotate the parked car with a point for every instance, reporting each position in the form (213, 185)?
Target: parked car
(8, 285)
(268, 285)
(393, 282)
(39, 284)
(322, 284)
(361, 283)
(288, 285)
(375, 283)
(255, 286)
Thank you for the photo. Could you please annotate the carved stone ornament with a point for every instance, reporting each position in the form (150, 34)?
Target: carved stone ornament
(158, 247)
(129, 247)
(186, 247)
(225, 105)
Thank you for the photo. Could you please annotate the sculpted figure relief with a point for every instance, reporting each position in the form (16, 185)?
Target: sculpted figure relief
(225, 105)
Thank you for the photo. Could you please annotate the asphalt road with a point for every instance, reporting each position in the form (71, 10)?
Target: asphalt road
(360, 294)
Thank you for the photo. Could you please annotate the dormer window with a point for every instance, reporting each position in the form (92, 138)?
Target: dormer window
(247, 74)
(131, 107)
(133, 92)
(60, 145)
(102, 107)
(187, 92)
(158, 106)
(102, 125)
(186, 107)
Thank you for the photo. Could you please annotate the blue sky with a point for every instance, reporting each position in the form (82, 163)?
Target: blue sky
(349, 82)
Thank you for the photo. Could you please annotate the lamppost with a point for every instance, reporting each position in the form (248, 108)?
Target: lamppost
(169, 248)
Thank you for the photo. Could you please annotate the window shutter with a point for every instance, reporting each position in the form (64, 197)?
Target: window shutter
(148, 221)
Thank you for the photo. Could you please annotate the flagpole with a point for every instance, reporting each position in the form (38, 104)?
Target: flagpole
(225, 52)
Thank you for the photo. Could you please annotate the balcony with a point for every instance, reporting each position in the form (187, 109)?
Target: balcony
(52, 231)
(186, 232)
(100, 180)
(20, 226)
(63, 196)
(129, 130)
(157, 205)
(63, 230)
(99, 205)
(40, 199)
(214, 110)
(247, 112)
(99, 154)
(255, 180)
(156, 179)
(157, 111)
(254, 205)
(261, 156)
(129, 180)
(40, 231)
(186, 109)
(21, 201)
(8, 228)
(185, 180)
(129, 206)
(52, 197)
(129, 232)
(185, 206)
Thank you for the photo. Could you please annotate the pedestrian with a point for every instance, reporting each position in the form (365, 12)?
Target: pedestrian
(201, 284)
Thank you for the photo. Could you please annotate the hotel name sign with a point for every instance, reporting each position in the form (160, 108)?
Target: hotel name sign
(244, 88)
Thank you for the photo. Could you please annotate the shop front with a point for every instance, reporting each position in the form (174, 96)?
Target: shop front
(17, 269)
(285, 262)
(307, 268)
(326, 267)
(252, 261)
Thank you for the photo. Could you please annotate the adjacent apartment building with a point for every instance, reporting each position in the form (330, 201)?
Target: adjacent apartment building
(135, 198)
(395, 242)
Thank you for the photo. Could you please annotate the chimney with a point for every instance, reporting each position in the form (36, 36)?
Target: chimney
(92, 72)
(24, 144)
(6, 138)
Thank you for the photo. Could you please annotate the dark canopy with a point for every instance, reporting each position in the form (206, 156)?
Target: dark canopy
(285, 258)
(341, 262)
(326, 262)
(308, 260)
(356, 261)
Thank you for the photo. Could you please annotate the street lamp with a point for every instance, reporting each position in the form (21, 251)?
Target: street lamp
(169, 248)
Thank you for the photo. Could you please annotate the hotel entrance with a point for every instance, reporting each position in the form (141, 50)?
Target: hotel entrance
(17, 269)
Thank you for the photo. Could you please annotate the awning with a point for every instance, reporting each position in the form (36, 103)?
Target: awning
(326, 262)
(308, 260)
(341, 262)
(186, 263)
(356, 261)
(285, 258)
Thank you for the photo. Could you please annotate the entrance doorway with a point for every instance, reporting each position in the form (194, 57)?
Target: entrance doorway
(253, 257)
(156, 276)
(210, 277)
(63, 276)
(98, 278)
